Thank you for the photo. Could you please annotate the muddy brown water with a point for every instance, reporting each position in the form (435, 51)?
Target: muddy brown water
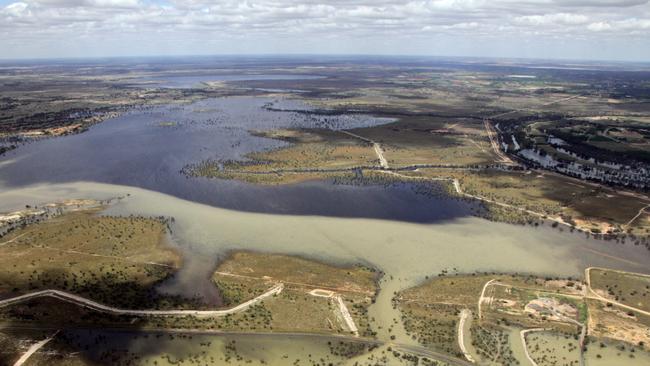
(406, 252)
(406, 235)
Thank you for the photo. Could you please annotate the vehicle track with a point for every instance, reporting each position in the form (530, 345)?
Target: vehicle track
(90, 304)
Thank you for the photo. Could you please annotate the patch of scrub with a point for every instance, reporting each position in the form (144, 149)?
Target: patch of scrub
(405, 252)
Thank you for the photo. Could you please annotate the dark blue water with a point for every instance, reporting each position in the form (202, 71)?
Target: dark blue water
(147, 148)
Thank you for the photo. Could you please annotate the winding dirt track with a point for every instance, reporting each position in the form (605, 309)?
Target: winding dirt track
(594, 295)
(90, 304)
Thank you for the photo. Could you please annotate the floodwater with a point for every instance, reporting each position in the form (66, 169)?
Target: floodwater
(517, 346)
(149, 147)
(406, 252)
(555, 349)
(178, 349)
(151, 348)
(396, 229)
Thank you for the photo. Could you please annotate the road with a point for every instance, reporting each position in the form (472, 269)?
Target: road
(416, 350)
(33, 349)
(494, 141)
(90, 304)
(641, 211)
(522, 334)
(464, 314)
(345, 313)
(592, 294)
(303, 284)
(541, 105)
(14, 239)
(458, 189)
(482, 297)
(346, 316)
(378, 150)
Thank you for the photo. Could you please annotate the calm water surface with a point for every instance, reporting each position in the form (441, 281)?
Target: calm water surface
(405, 234)
(147, 148)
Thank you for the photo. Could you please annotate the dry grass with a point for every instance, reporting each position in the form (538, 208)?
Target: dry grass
(94, 256)
(619, 324)
(245, 275)
(627, 288)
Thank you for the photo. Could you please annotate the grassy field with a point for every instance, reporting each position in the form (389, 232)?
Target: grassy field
(431, 311)
(244, 275)
(548, 348)
(627, 288)
(113, 260)
(432, 140)
(610, 322)
(592, 208)
(410, 141)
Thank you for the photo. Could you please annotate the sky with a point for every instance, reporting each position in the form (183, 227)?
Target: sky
(549, 29)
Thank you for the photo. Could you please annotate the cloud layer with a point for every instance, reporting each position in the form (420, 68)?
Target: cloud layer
(608, 29)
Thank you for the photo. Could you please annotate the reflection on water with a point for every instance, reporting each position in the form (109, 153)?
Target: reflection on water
(148, 148)
(186, 349)
(406, 252)
(556, 349)
(162, 349)
(142, 152)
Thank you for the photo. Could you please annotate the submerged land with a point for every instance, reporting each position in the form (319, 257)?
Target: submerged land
(316, 212)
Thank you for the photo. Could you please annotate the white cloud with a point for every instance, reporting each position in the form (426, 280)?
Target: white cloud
(602, 3)
(599, 26)
(302, 25)
(558, 18)
(15, 9)
(87, 3)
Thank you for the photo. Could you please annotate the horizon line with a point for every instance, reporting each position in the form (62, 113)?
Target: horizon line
(332, 55)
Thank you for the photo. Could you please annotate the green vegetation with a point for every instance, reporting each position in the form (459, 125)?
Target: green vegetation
(624, 287)
(492, 344)
(113, 260)
(244, 275)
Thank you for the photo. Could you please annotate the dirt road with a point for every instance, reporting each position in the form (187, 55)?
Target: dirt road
(90, 304)
(33, 349)
(464, 315)
(378, 150)
(591, 293)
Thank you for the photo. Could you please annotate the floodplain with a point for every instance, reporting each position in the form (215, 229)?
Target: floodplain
(358, 212)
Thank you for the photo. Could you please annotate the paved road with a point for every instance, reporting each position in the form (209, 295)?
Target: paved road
(90, 304)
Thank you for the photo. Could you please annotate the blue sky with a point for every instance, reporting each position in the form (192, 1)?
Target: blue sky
(569, 29)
